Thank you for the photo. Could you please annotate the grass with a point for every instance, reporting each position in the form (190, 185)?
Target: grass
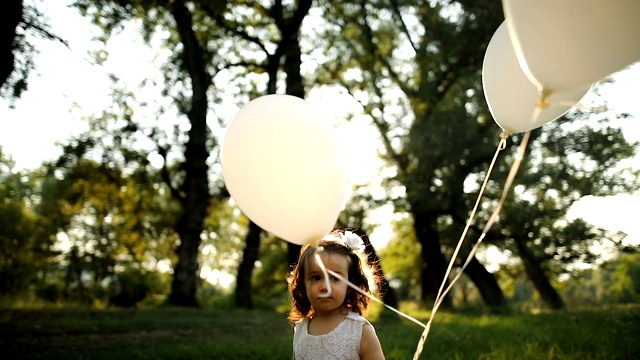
(588, 334)
(176, 333)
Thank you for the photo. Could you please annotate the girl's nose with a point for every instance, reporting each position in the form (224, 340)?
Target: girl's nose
(325, 287)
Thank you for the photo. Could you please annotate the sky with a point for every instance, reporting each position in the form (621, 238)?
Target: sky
(68, 86)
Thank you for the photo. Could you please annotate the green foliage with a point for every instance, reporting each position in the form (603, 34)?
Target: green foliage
(69, 230)
(112, 222)
(563, 167)
(133, 286)
(625, 287)
(16, 246)
(24, 253)
(223, 240)
(614, 282)
(269, 278)
(402, 261)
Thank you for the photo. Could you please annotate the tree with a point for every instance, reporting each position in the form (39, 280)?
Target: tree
(571, 158)
(19, 22)
(254, 18)
(10, 19)
(194, 44)
(613, 281)
(194, 191)
(625, 287)
(111, 224)
(415, 68)
(22, 255)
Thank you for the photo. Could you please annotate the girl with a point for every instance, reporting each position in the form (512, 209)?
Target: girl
(331, 327)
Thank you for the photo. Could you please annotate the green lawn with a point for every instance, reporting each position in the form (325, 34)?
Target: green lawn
(173, 333)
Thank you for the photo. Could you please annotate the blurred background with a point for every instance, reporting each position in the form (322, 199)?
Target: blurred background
(113, 112)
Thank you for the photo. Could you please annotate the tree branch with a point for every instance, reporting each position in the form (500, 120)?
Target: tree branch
(232, 27)
(396, 12)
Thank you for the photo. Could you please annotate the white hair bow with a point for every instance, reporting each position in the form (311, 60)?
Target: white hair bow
(352, 241)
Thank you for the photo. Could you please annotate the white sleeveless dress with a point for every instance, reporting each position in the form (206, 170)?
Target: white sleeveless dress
(341, 343)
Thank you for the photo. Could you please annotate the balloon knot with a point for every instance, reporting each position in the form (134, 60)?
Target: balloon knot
(543, 102)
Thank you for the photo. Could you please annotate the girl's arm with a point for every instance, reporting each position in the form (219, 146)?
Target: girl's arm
(370, 348)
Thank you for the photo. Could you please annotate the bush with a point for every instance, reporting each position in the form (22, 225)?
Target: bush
(132, 286)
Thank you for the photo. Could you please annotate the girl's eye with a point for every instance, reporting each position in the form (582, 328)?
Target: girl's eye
(315, 278)
(333, 278)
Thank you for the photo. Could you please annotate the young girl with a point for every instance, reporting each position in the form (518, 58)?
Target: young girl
(332, 327)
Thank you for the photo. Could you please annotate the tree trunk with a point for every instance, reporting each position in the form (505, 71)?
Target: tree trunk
(486, 283)
(536, 275)
(195, 188)
(294, 82)
(432, 275)
(292, 65)
(251, 254)
(289, 48)
(10, 17)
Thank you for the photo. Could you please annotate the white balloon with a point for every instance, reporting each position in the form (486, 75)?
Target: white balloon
(568, 44)
(281, 164)
(512, 98)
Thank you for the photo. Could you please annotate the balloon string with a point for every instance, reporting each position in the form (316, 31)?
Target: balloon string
(442, 293)
(494, 215)
(542, 103)
(512, 175)
(326, 272)
(440, 296)
(351, 285)
(327, 283)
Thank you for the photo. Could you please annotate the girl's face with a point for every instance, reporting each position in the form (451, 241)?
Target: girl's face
(316, 285)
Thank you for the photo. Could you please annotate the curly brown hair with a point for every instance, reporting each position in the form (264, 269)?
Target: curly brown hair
(354, 301)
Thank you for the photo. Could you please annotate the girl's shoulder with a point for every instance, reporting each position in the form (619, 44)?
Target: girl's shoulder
(358, 318)
(301, 322)
(354, 316)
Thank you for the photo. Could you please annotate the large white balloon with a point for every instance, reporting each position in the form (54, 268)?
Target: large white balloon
(568, 44)
(281, 164)
(513, 100)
